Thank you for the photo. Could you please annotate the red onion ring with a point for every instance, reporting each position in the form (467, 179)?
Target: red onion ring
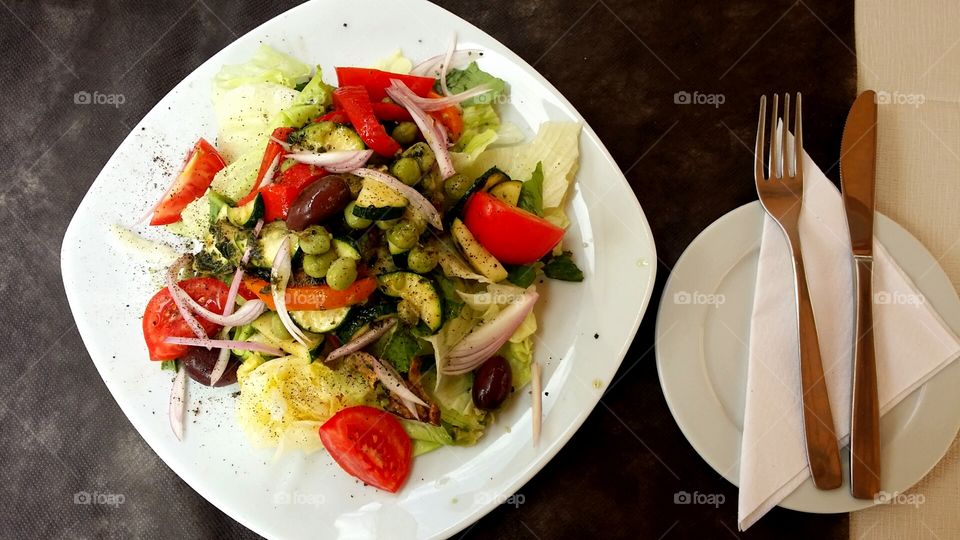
(271, 172)
(418, 201)
(335, 162)
(279, 276)
(435, 104)
(485, 340)
(376, 330)
(225, 344)
(391, 379)
(428, 66)
(181, 298)
(224, 358)
(178, 402)
(446, 64)
(428, 127)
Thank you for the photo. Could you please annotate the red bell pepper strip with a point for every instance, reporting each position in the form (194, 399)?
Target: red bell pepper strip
(390, 112)
(354, 101)
(376, 81)
(273, 150)
(451, 118)
(202, 164)
(314, 297)
(280, 195)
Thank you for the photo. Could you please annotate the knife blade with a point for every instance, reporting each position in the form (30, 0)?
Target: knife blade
(858, 152)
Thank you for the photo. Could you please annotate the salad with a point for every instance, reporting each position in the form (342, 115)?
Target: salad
(366, 257)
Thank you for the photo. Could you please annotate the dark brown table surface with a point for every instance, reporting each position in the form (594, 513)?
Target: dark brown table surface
(620, 63)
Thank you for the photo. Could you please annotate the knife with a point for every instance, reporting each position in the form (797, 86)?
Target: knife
(858, 150)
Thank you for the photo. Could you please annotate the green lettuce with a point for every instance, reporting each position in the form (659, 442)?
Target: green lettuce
(459, 80)
(236, 179)
(426, 437)
(480, 125)
(464, 421)
(312, 100)
(267, 65)
(519, 355)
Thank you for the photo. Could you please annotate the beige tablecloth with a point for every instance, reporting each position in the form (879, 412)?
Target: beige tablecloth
(910, 53)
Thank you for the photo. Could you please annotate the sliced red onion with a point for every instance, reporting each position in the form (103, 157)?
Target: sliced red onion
(283, 144)
(256, 232)
(428, 126)
(391, 379)
(429, 67)
(435, 104)
(225, 344)
(271, 172)
(224, 358)
(181, 298)
(536, 408)
(485, 340)
(446, 64)
(178, 402)
(279, 276)
(376, 330)
(335, 162)
(418, 201)
(245, 315)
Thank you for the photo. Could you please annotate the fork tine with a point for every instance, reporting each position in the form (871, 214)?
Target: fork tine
(758, 149)
(784, 147)
(774, 151)
(798, 140)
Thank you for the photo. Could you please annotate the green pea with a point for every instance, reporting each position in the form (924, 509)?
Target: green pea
(456, 187)
(342, 273)
(316, 266)
(405, 133)
(423, 154)
(403, 235)
(407, 170)
(422, 259)
(355, 222)
(315, 240)
(386, 225)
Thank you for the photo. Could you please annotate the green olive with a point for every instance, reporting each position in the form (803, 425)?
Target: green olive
(403, 235)
(342, 273)
(422, 259)
(315, 240)
(423, 154)
(405, 133)
(407, 170)
(353, 221)
(316, 266)
(456, 187)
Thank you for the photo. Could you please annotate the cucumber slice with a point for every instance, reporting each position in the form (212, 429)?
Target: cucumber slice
(419, 291)
(247, 215)
(508, 192)
(361, 317)
(345, 249)
(320, 321)
(217, 203)
(326, 137)
(269, 326)
(268, 244)
(480, 259)
(378, 202)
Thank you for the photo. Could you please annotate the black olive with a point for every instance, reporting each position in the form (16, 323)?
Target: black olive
(320, 201)
(199, 363)
(492, 382)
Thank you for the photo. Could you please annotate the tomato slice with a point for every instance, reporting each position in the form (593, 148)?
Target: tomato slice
(202, 164)
(314, 297)
(512, 235)
(376, 81)
(370, 444)
(273, 150)
(162, 319)
(279, 196)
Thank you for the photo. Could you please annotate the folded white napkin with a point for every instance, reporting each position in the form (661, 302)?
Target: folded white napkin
(912, 344)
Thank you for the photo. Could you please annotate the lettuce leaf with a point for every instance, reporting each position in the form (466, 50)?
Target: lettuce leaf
(236, 179)
(395, 63)
(519, 355)
(459, 80)
(531, 193)
(246, 116)
(464, 421)
(426, 437)
(312, 100)
(267, 65)
(480, 124)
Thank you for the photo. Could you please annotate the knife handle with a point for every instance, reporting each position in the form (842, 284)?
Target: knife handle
(823, 455)
(865, 407)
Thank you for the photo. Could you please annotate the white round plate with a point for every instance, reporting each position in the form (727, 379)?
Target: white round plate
(297, 496)
(702, 359)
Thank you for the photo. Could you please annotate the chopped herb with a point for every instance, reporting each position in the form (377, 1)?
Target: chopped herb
(531, 194)
(523, 275)
(452, 303)
(398, 347)
(562, 267)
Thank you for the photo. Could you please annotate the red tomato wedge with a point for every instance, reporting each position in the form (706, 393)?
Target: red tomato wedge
(355, 102)
(314, 297)
(201, 165)
(369, 444)
(376, 81)
(162, 319)
(280, 195)
(273, 150)
(512, 235)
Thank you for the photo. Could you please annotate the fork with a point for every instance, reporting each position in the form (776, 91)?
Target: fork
(781, 194)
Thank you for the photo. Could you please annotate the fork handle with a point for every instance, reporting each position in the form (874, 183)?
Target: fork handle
(823, 455)
(865, 407)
